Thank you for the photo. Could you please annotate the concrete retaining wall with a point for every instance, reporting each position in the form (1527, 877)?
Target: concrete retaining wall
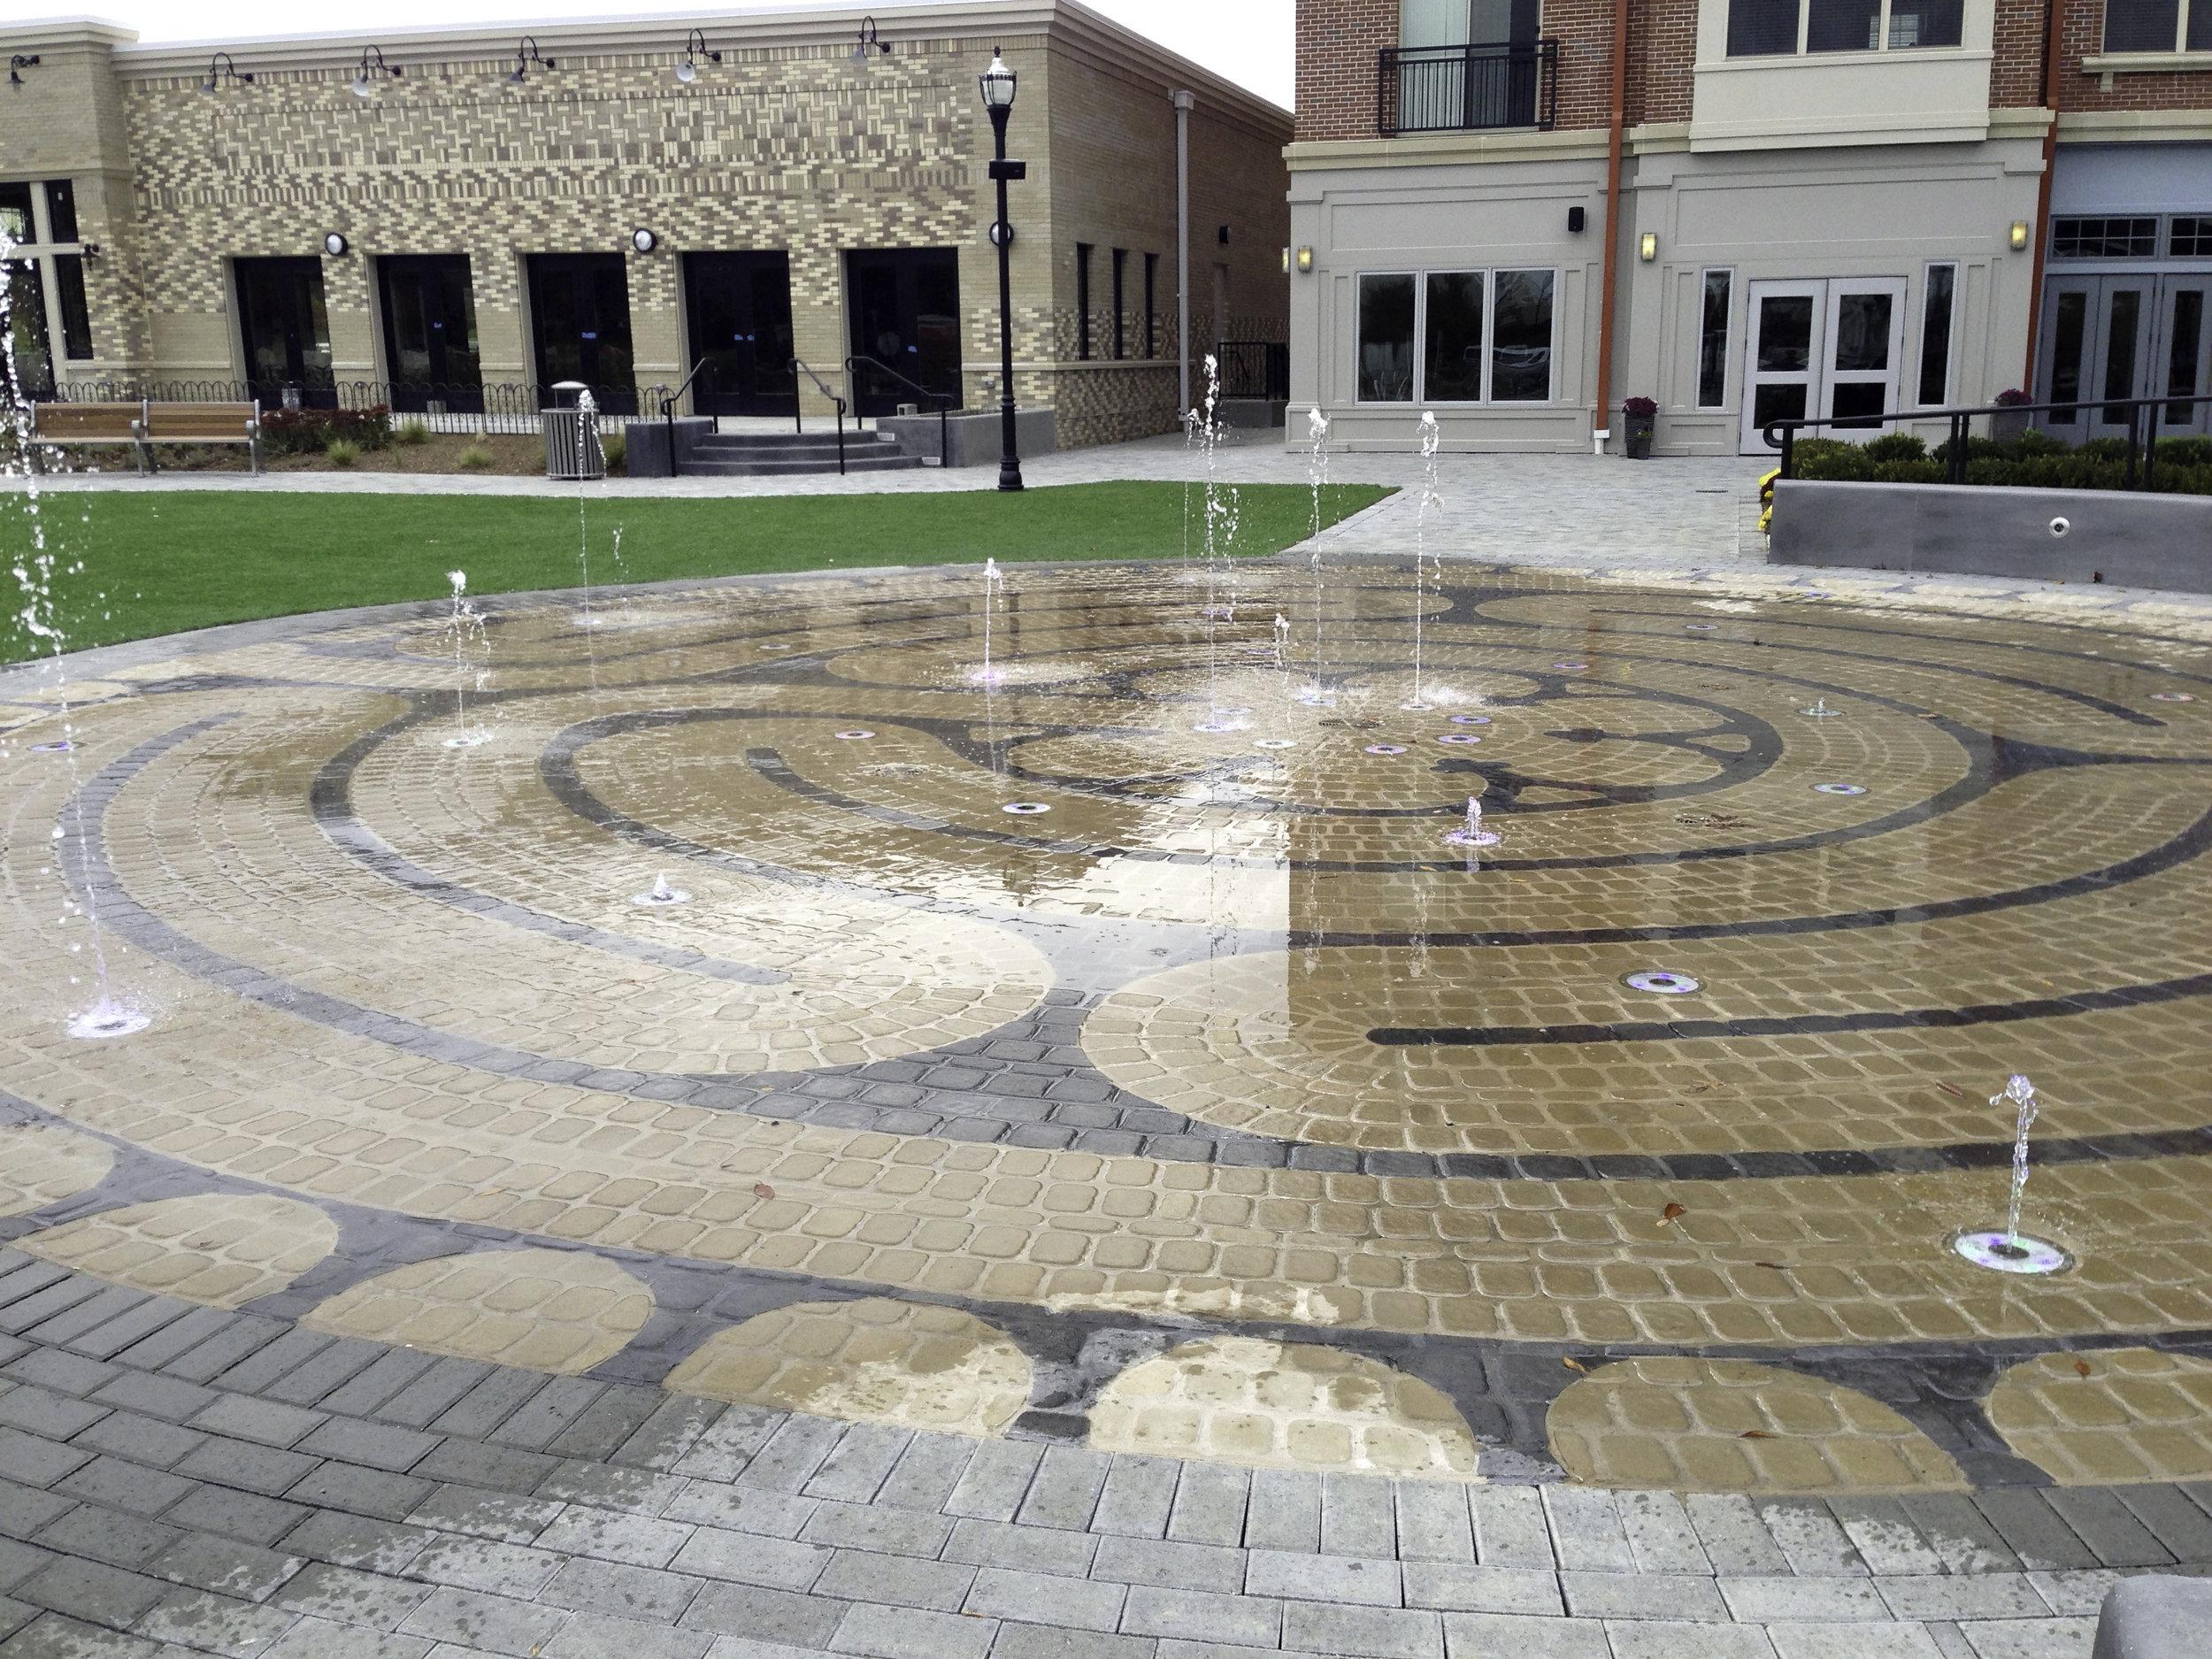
(2134, 541)
(971, 439)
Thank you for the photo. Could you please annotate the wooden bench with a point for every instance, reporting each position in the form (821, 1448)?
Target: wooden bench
(143, 424)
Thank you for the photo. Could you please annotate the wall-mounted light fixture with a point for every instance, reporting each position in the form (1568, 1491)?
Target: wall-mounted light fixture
(527, 54)
(1285, 262)
(643, 239)
(1224, 235)
(1576, 217)
(1305, 262)
(18, 61)
(89, 249)
(335, 245)
(695, 49)
(372, 63)
(2019, 236)
(220, 67)
(867, 40)
(1647, 246)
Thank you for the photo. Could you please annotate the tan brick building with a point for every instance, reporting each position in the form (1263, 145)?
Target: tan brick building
(457, 219)
(1828, 208)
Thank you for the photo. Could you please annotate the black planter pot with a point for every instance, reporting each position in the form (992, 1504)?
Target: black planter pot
(1637, 431)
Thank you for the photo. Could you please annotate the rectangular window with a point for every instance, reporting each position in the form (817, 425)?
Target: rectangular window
(1712, 341)
(1762, 28)
(1925, 23)
(2193, 236)
(1385, 339)
(1452, 363)
(2123, 317)
(2069, 332)
(26, 312)
(1935, 335)
(1843, 25)
(15, 213)
(1520, 336)
(2142, 25)
(1121, 304)
(1151, 304)
(2104, 238)
(1083, 301)
(1433, 23)
(2200, 39)
(61, 211)
(2181, 354)
(76, 316)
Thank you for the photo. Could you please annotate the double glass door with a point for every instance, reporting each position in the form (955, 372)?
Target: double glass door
(904, 303)
(286, 332)
(1829, 348)
(580, 317)
(740, 311)
(430, 333)
(2124, 337)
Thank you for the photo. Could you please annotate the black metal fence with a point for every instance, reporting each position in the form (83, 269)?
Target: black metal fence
(1255, 368)
(1460, 88)
(507, 408)
(2140, 415)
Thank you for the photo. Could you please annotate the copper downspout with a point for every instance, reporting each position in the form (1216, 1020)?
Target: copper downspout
(1603, 422)
(2052, 46)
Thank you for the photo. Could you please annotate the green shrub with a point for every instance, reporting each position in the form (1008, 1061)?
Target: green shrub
(413, 430)
(475, 458)
(616, 447)
(1898, 446)
(341, 452)
(2184, 452)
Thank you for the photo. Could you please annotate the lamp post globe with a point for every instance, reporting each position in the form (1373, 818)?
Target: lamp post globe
(997, 86)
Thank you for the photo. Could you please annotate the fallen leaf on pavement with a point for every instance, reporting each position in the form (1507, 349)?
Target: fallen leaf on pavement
(2082, 1365)
(1757, 1435)
(761, 1189)
(1673, 1211)
(1571, 1364)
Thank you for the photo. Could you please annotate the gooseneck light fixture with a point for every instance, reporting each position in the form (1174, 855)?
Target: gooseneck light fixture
(219, 68)
(527, 54)
(372, 63)
(868, 40)
(695, 49)
(17, 62)
(997, 86)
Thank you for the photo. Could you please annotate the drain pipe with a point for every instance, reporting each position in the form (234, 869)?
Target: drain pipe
(2052, 45)
(1184, 103)
(1601, 426)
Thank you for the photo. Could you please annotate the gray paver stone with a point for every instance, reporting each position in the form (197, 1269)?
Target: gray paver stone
(1209, 1507)
(171, 1399)
(1371, 1632)
(320, 1638)
(484, 1563)
(1168, 1564)
(2174, 1520)
(246, 1465)
(870, 1527)
(1957, 1596)
(1503, 1636)
(2107, 1526)
(770, 1514)
(504, 1516)
(926, 1472)
(1029, 1548)
(240, 1515)
(39, 1412)
(1284, 1511)
(56, 1636)
(1433, 1521)
(122, 1485)
(226, 1565)
(1509, 1527)
(600, 1636)
(121, 1541)
(2038, 1638)
(1358, 1517)
(1066, 1488)
(353, 1540)
(147, 1441)
(2033, 1530)
(1809, 1534)
(1137, 1497)
(362, 1491)
(1369, 1582)
(1852, 1641)
(793, 1454)
(1640, 1595)
(637, 1539)
(1655, 1639)
(1457, 1586)
(215, 1623)
(35, 1462)
(1883, 1534)
(898, 1632)
(758, 1614)
(1812, 1596)
(1072, 1603)
(859, 1462)
(497, 1623)
(347, 1596)
(93, 1592)
(1043, 1641)
(1660, 1534)
(1586, 1530)
(607, 1424)
(608, 1586)
(1196, 1616)
(774, 1563)
(998, 1475)
(860, 1575)
(377, 1445)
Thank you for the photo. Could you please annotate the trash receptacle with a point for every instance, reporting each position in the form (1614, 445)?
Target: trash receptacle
(572, 435)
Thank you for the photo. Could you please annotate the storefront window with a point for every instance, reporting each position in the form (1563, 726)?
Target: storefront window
(1520, 353)
(1385, 339)
(1935, 335)
(1452, 363)
(1768, 29)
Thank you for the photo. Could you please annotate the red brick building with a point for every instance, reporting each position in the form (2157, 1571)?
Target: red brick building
(1833, 208)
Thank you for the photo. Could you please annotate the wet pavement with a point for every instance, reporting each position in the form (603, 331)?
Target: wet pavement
(1201, 1205)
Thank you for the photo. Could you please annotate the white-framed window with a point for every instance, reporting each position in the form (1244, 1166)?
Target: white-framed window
(2158, 26)
(1938, 316)
(1772, 28)
(1715, 302)
(1480, 336)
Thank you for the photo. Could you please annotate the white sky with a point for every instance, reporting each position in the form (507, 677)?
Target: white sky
(1248, 42)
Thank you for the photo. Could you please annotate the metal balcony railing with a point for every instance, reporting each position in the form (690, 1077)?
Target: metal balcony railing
(1463, 89)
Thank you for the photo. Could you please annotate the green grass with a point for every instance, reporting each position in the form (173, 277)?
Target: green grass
(134, 566)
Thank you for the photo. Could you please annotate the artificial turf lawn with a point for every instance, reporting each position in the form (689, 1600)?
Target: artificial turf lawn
(158, 563)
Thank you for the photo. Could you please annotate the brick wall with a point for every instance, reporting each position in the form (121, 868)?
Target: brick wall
(1662, 51)
(2084, 36)
(1337, 43)
(2015, 79)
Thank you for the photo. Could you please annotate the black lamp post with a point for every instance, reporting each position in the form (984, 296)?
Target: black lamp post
(997, 82)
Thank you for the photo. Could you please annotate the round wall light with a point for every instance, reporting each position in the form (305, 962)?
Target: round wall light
(644, 240)
(335, 245)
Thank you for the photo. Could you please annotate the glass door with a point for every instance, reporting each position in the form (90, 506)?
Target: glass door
(285, 333)
(579, 318)
(904, 305)
(1866, 338)
(1783, 352)
(430, 347)
(2096, 343)
(2181, 357)
(740, 312)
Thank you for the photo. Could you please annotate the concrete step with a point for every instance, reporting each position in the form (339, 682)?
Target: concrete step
(857, 460)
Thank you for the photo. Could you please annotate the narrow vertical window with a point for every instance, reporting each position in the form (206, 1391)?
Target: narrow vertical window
(1083, 301)
(2181, 354)
(1151, 304)
(1935, 335)
(2123, 318)
(61, 211)
(1712, 341)
(1121, 304)
(76, 316)
(1385, 339)
(1451, 364)
(2070, 332)
(1520, 337)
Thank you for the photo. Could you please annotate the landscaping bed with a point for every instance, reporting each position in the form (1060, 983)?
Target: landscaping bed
(2033, 461)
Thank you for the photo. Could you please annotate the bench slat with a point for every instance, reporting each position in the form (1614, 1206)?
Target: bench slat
(84, 422)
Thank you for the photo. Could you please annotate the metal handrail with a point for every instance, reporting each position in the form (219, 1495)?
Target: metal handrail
(1954, 455)
(705, 366)
(1500, 84)
(944, 402)
(799, 419)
